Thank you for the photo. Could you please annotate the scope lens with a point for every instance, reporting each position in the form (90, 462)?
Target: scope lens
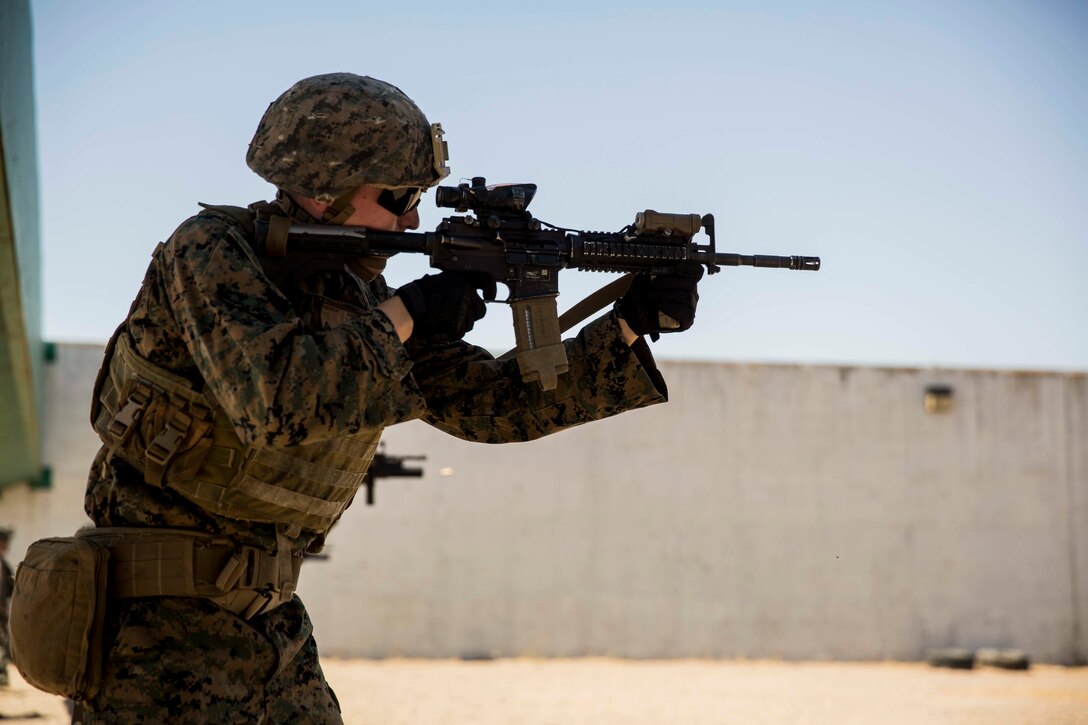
(451, 197)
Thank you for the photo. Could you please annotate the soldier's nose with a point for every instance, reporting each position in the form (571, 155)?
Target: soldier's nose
(409, 220)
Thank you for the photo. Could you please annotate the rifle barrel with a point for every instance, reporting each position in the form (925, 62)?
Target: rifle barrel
(811, 264)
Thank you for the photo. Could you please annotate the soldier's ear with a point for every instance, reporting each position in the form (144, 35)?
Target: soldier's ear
(313, 207)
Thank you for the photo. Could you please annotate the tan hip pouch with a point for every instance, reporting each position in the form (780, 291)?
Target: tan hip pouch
(57, 613)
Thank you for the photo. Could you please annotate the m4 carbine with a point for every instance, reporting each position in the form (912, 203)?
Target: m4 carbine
(503, 240)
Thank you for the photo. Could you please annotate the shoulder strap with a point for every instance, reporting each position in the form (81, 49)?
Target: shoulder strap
(279, 270)
(275, 244)
(240, 215)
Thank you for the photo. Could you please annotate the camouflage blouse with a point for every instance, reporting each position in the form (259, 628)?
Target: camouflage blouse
(297, 353)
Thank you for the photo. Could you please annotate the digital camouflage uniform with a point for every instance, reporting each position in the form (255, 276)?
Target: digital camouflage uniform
(303, 359)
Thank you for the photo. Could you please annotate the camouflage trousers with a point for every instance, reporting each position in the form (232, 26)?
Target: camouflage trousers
(182, 660)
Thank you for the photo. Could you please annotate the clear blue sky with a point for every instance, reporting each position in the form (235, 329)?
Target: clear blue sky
(934, 154)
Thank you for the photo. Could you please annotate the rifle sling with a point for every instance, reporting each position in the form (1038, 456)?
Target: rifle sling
(590, 305)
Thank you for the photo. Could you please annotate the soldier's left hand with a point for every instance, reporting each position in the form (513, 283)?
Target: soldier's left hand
(662, 303)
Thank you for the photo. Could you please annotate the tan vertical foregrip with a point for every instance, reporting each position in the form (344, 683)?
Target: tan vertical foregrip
(540, 352)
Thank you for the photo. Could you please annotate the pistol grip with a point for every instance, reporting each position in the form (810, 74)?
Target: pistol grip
(541, 355)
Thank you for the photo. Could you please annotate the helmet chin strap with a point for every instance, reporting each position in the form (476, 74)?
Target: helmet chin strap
(339, 211)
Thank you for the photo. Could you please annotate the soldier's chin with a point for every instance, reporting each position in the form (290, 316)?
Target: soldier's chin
(367, 268)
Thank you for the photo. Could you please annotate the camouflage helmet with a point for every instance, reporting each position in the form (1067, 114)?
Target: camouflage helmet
(329, 134)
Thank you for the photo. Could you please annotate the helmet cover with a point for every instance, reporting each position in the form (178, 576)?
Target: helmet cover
(329, 134)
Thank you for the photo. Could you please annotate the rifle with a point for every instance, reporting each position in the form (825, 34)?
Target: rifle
(386, 466)
(503, 240)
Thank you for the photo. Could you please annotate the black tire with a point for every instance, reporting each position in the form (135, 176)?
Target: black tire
(952, 657)
(1006, 659)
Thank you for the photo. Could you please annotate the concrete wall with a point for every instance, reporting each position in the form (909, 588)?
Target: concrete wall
(767, 511)
(68, 445)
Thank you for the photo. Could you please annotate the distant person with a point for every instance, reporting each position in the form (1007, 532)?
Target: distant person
(242, 400)
(7, 585)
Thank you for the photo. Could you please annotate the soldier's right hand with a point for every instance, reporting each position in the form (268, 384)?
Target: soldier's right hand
(445, 306)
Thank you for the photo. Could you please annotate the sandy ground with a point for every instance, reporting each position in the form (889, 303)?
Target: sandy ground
(604, 691)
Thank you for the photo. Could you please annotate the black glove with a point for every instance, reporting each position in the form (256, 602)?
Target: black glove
(663, 302)
(445, 306)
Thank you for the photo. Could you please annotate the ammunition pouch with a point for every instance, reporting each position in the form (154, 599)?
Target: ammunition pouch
(160, 430)
(182, 439)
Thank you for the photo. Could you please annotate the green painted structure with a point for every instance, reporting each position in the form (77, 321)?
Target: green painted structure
(21, 347)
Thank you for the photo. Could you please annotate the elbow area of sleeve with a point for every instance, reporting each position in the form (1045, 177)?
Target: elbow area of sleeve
(609, 375)
(388, 394)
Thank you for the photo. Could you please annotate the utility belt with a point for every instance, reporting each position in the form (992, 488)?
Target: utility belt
(181, 563)
(62, 587)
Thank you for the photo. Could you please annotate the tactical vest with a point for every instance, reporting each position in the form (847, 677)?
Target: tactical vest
(182, 439)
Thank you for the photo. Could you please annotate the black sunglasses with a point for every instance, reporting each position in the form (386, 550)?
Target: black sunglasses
(400, 201)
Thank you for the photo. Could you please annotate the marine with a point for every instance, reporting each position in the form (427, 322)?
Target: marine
(242, 399)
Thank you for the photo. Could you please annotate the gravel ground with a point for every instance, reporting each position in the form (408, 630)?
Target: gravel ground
(577, 691)
(692, 692)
